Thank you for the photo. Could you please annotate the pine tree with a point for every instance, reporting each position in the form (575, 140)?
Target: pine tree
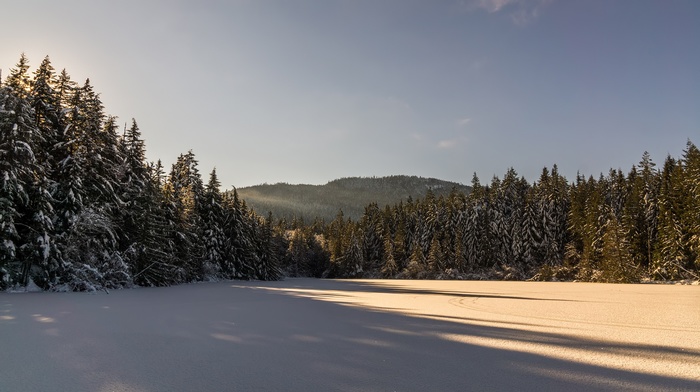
(19, 80)
(372, 237)
(298, 253)
(416, 267)
(670, 251)
(86, 196)
(436, 257)
(268, 267)
(454, 232)
(649, 194)
(336, 237)
(18, 166)
(352, 261)
(236, 265)
(691, 215)
(65, 89)
(616, 264)
(390, 267)
(213, 228)
(47, 109)
(641, 210)
(531, 232)
(185, 193)
(133, 176)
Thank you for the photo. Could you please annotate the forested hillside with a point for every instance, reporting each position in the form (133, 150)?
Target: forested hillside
(82, 209)
(350, 195)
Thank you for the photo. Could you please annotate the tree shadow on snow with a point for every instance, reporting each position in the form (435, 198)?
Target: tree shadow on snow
(254, 336)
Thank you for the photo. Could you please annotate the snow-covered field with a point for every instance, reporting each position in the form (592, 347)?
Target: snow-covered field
(361, 335)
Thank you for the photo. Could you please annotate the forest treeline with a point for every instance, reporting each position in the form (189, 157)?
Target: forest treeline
(622, 227)
(82, 209)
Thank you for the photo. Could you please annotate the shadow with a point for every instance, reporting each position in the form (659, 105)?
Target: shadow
(453, 365)
(252, 336)
(506, 333)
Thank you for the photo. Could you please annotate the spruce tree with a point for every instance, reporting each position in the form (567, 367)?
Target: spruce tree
(185, 193)
(691, 215)
(390, 267)
(236, 265)
(372, 237)
(670, 254)
(616, 264)
(268, 267)
(18, 166)
(213, 228)
(19, 80)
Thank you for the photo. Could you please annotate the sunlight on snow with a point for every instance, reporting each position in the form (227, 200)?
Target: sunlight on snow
(613, 360)
(530, 322)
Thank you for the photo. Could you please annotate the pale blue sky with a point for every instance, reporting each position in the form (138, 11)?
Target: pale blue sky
(309, 91)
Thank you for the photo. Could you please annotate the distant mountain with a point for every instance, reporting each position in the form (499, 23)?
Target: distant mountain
(351, 195)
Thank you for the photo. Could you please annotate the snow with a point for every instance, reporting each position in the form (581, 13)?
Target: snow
(354, 335)
(30, 288)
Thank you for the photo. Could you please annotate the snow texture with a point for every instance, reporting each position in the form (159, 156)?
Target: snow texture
(362, 335)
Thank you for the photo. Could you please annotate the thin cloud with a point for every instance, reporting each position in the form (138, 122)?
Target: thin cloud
(416, 136)
(464, 121)
(492, 6)
(521, 12)
(447, 144)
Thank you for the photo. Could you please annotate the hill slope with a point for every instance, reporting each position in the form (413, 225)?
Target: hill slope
(350, 195)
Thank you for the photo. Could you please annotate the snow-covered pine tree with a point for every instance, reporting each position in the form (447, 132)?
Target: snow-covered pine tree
(649, 195)
(212, 218)
(65, 90)
(691, 162)
(18, 165)
(416, 267)
(390, 267)
(669, 257)
(143, 228)
(352, 261)
(47, 110)
(400, 237)
(552, 197)
(616, 264)
(508, 202)
(436, 256)
(452, 229)
(372, 237)
(186, 192)
(235, 264)
(473, 232)
(153, 260)
(86, 196)
(296, 253)
(18, 79)
(268, 265)
(530, 233)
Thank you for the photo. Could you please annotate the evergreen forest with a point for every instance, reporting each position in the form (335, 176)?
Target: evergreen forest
(81, 208)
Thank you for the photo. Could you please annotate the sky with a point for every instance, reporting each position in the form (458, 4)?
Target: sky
(307, 91)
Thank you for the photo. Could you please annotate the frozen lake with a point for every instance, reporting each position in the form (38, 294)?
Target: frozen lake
(359, 335)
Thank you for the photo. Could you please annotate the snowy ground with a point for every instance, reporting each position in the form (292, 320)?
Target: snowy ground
(320, 335)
